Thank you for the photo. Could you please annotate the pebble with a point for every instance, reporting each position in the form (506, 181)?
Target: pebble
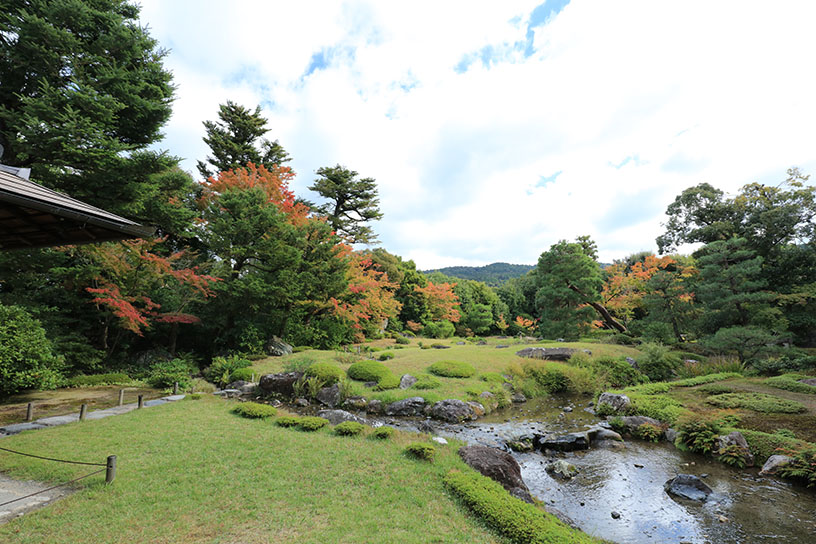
(615, 515)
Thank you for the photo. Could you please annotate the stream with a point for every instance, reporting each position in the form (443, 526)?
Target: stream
(744, 508)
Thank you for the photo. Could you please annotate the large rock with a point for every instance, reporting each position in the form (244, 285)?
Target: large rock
(618, 403)
(336, 417)
(374, 407)
(278, 348)
(518, 398)
(280, 384)
(355, 403)
(406, 407)
(407, 381)
(499, 466)
(562, 442)
(329, 396)
(549, 354)
(452, 411)
(774, 463)
(246, 388)
(633, 422)
(735, 438)
(808, 381)
(600, 433)
(633, 363)
(689, 487)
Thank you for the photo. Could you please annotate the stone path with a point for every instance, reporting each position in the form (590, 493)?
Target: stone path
(13, 489)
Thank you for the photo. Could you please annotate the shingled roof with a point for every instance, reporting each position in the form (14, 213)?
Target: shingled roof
(33, 216)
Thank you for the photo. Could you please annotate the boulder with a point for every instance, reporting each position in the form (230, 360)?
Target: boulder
(303, 403)
(809, 381)
(452, 411)
(246, 388)
(329, 396)
(562, 442)
(355, 403)
(478, 409)
(522, 445)
(407, 381)
(336, 417)
(633, 422)
(601, 433)
(549, 354)
(774, 463)
(278, 348)
(518, 398)
(632, 363)
(280, 384)
(689, 487)
(561, 469)
(499, 466)
(425, 427)
(411, 406)
(618, 403)
(608, 444)
(460, 343)
(735, 438)
(374, 406)
(670, 435)
(502, 346)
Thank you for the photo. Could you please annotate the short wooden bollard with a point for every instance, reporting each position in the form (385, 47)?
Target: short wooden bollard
(110, 473)
(140, 403)
(175, 388)
(30, 412)
(253, 378)
(83, 408)
(121, 397)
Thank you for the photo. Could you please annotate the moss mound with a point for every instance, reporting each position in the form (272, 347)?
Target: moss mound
(452, 369)
(254, 410)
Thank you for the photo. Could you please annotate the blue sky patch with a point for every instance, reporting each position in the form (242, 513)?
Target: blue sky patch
(543, 181)
(631, 158)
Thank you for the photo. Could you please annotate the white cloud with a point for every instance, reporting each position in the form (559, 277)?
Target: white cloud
(700, 91)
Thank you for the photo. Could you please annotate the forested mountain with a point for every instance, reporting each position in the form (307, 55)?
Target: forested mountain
(493, 274)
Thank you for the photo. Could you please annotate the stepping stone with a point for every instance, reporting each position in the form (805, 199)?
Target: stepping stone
(173, 398)
(58, 420)
(20, 427)
(155, 402)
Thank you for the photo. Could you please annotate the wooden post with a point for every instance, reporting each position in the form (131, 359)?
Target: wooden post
(121, 397)
(175, 388)
(30, 412)
(110, 473)
(140, 402)
(83, 408)
(253, 378)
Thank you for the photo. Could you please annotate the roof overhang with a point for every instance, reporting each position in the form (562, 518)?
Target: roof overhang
(33, 216)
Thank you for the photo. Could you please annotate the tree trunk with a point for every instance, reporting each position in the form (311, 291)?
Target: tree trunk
(607, 317)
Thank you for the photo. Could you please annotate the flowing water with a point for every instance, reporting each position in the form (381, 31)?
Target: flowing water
(744, 508)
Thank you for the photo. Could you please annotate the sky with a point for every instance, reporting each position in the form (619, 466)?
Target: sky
(496, 129)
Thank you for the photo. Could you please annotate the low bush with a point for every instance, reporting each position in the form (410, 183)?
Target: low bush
(308, 386)
(383, 433)
(452, 369)
(111, 378)
(311, 423)
(254, 410)
(620, 339)
(790, 382)
(516, 520)
(697, 434)
(492, 378)
(221, 368)
(794, 361)
(200, 385)
(420, 450)
(787, 433)
(287, 421)
(27, 360)
(617, 425)
(389, 381)
(708, 378)
(715, 389)
(657, 362)
(243, 374)
(385, 356)
(648, 432)
(732, 456)
(426, 381)
(763, 445)
(757, 402)
(402, 340)
(551, 378)
(327, 373)
(349, 428)
(620, 373)
(367, 371)
(439, 329)
(802, 466)
(166, 373)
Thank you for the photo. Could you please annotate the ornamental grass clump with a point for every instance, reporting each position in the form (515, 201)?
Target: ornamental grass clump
(420, 450)
(254, 410)
(452, 369)
(349, 428)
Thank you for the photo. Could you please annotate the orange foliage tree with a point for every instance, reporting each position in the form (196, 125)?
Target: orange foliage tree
(625, 286)
(442, 302)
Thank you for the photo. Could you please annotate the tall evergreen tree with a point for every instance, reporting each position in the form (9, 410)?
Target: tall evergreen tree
(236, 140)
(352, 202)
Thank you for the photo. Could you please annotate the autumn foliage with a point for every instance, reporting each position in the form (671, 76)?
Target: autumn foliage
(443, 303)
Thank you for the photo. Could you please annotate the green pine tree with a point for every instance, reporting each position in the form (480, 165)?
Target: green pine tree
(352, 202)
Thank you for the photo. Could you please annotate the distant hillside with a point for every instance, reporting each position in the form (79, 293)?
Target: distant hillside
(492, 274)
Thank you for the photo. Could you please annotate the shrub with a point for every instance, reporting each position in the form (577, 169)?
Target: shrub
(657, 362)
(439, 329)
(789, 362)
(389, 381)
(254, 410)
(385, 356)
(552, 379)
(244, 374)
(620, 339)
(620, 373)
(299, 363)
(308, 386)
(787, 433)
(426, 381)
(420, 450)
(697, 434)
(26, 357)
(617, 425)
(492, 378)
(790, 382)
(287, 421)
(112, 378)
(648, 432)
(383, 433)
(327, 373)
(732, 456)
(452, 369)
(757, 402)
(221, 368)
(515, 519)
(349, 428)
(311, 423)
(715, 389)
(802, 466)
(367, 371)
(166, 373)
(402, 340)
(763, 445)
(200, 385)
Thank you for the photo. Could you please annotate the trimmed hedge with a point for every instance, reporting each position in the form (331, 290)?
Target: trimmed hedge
(383, 433)
(520, 522)
(327, 373)
(420, 450)
(452, 369)
(389, 381)
(426, 381)
(287, 421)
(367, 371)
(254, 410)
(349, 428)
(311, 423)
(243, 374)
(386, 355)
